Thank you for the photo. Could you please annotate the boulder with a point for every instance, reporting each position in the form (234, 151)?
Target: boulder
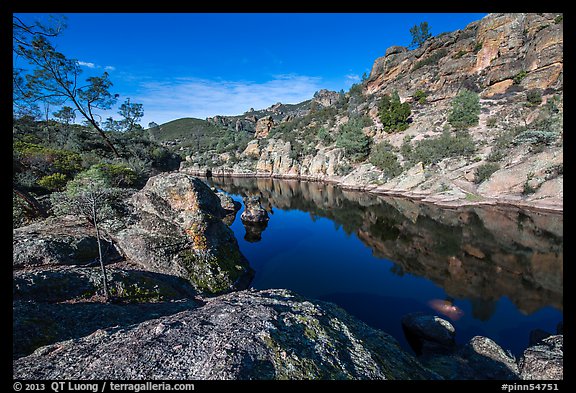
(263, 127)
(428, 333)
(269, 334)
(544, 361)
(227, 203)
(57, 241)
(253, 211)
(176, 228)
(62, 302)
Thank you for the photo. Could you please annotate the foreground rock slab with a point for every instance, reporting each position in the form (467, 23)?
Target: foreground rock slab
(270, 334)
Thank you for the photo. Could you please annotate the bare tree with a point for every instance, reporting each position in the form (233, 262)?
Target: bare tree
(90, 196)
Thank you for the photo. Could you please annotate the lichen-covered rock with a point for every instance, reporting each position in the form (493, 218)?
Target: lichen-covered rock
(177, 229)
(57, 241)
(271, 334)
(227, 203)
(59, 284)
(544, 361)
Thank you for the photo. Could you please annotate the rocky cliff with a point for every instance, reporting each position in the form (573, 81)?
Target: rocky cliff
(514, 62)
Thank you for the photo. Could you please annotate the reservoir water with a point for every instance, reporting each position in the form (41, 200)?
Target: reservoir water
(490, 271)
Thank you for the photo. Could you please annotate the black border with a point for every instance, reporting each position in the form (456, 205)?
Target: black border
(239, 7)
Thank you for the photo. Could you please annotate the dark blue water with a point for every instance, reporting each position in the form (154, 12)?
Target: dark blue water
(381, 258)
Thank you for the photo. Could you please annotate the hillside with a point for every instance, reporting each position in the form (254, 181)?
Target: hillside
(472, 116)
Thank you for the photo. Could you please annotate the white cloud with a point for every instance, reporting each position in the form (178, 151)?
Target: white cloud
(86, 64)
(95, 66)
(201, 98)
(352, 77)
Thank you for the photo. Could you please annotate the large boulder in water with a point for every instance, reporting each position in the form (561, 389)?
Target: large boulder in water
(269, 334)
(176, 228)
(253, 211)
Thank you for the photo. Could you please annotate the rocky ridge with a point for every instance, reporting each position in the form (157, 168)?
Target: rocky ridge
(503, 57)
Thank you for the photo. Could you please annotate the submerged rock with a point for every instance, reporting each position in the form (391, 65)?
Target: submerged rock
(428, 333)
(253, 211)
(176, 228)
(270, 334)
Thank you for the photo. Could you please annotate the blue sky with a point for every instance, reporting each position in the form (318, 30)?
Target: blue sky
(200, 65)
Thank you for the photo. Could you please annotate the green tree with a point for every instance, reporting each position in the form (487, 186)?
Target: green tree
(351, 137)
(420, 33)
(65, 115)
(465, 110)
(131, 114)
(91, 196)
(54, 79)
(393, 113)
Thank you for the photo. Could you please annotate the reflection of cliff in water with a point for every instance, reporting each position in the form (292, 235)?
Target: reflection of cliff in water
(476, 253)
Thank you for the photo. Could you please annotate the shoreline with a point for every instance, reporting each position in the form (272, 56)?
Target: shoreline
(377, 190)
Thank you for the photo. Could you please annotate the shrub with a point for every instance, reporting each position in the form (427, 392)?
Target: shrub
(382, 157)
(420, 96)
(393, 113)
(534, 97)
(352, 139)
(519, 76)
(535, 137)
(54, 182)
(491, 121)
(558, 19)
(118, 175)
(433, 150)
(343, 169)
(484, 171)
(465, 110)
(324, 136)
(477, 47)
(459, 54)
(431, 60)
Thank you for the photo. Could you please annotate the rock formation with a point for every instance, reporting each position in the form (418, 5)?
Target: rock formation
(272, 334)
(176, 228)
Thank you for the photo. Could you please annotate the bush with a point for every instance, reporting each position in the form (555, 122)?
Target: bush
(431, 60)
(459, 54)
(118, 175)
(519, 76)
(383, 158)
(534, 97)
(484, 171)
(352, 139)
(477, 47)
(433, 150)
(465, 110)
(324, 136)
(393, 113)
(535, 137)
(420, 97)
(54, 182)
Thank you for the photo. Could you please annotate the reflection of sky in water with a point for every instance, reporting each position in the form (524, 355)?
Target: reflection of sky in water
(314, 256)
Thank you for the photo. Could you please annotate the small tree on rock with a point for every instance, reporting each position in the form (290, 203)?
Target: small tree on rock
(420, 33)
(91, 196)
